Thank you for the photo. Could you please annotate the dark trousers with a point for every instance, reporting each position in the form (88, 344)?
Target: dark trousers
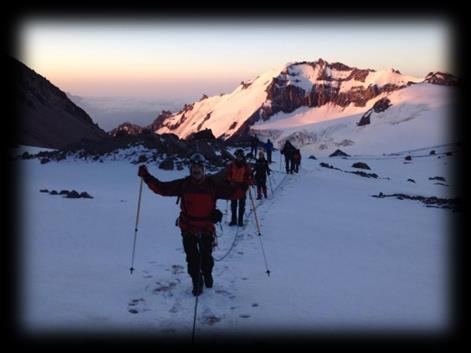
(240, 214)
(269, 156)
(261, 186)
(198, 250)
(260, 189)
(289, 164)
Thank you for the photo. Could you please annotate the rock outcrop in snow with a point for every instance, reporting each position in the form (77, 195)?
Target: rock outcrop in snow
(441, 78)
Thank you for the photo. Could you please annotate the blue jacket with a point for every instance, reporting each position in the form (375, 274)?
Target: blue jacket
(268, 146)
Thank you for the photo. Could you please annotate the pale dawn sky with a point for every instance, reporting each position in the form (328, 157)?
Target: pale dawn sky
(181, 59)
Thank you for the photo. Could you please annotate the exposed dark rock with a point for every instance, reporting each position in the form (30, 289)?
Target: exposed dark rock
(46, 116)
(326, 165)
(188, 107)
(411, 180)
(167, 164)
(361, 165)
(358, 75)
(432, 152)
(85, 195)
(233, 125)
(126, 129)
(449, 153)
(365, 119)
(285, 98)
(26, 155)
(160, 120)
(142, 158)
(360, 173)
(44, 190)
(437, 178)
(73, 195)
(206, 134)
(45, 160)
(245, 85)
(69, 194)
(444, 79)
(226, 155)
(366, 175)
(454, 204)
(159, 145)
(381, 105)
(173, 145)
(200, 125)
(408, 158)
(339, 153)
(208, 151)
(312, 157)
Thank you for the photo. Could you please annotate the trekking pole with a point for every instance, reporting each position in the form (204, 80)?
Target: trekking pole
(254, 212)
(280, 161)
(197, 296)
(227, 208)
(259, 233)
(131, 269)
(271, 186)
(194, 320)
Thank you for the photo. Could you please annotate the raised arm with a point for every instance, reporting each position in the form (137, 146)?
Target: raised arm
(164, 188)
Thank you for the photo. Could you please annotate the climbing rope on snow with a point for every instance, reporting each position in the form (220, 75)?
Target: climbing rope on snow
(237, 236)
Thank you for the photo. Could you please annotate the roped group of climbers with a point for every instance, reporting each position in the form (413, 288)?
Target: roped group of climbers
(198, 194)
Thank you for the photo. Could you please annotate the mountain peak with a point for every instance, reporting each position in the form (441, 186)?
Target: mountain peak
(297, 84)
(47, 117)
(442, 78)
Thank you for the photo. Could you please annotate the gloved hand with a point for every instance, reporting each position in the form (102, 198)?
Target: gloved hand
(142, 171)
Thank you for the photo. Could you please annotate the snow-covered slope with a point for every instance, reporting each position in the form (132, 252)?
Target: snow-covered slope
(418, 116)
(305, 75)
(283, 90)
(339, 258)
(223, 114)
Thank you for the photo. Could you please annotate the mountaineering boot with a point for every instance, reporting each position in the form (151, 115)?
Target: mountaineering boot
(233, 213)
(197, 285)
(233, 221)
(241, 216)
(208, 280)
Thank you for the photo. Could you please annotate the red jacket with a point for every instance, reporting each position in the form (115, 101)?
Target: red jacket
(297, 156)
(198, 199)
(238, 175)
